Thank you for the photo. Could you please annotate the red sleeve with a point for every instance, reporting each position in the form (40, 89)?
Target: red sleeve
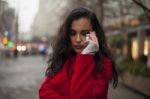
(47, 92)
(83, 84)
(108, 68)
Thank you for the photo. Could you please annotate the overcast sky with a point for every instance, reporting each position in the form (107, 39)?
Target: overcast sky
(27, 10)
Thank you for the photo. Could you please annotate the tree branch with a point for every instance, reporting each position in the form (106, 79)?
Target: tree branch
(146, 10)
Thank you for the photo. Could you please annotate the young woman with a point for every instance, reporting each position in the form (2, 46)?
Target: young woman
(81, 65)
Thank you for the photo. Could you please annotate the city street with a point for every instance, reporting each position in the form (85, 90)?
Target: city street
(20, 79)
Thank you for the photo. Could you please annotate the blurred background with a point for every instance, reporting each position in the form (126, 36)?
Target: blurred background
(27, 28)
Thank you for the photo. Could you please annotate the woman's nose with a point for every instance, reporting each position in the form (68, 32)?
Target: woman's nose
(78, 39)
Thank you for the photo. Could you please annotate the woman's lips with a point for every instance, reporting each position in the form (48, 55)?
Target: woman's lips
(78, 47)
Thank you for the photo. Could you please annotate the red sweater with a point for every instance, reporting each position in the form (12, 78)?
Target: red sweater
(79, 84)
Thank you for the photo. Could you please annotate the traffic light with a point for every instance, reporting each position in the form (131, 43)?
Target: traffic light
(5, 40)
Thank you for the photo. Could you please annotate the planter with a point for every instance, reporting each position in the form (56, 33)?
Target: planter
(139, 83)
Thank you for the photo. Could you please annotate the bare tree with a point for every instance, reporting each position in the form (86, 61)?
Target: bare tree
(146, 9)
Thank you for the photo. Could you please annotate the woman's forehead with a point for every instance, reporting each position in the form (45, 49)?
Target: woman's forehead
(82, 23)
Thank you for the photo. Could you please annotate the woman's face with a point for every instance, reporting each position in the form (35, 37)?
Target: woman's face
(79, 29)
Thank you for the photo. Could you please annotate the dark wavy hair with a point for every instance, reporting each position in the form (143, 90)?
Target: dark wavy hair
(62, 45)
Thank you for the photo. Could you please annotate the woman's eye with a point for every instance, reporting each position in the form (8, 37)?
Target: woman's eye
(72, 33)
(85, 33)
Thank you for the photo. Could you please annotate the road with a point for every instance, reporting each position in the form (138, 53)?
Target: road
(20, 79)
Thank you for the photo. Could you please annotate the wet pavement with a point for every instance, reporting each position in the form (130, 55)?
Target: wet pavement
(124, 92)
(20, 79)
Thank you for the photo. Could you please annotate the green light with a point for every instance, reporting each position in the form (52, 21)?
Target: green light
(10, 44)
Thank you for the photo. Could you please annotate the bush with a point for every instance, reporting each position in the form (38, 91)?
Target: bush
(116, 41)
(134, 67)
(143, 59)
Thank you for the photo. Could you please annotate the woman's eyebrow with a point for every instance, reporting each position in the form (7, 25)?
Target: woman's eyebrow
(86, 30)
(73, 30)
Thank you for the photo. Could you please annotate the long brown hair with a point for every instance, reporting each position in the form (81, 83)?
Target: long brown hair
(62, 46)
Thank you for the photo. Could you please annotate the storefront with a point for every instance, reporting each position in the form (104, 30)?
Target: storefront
(140, 42)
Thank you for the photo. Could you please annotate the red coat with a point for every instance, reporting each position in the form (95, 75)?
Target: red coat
(81, 84)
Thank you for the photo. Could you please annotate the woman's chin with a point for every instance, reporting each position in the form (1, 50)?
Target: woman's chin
(78, 50)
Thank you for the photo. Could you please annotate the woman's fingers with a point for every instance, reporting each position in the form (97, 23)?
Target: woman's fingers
(94, 35)
(93, 38)
(87, 40)
(91, 43)
(96, 40)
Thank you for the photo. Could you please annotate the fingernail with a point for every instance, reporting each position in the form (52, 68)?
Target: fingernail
(87, 38)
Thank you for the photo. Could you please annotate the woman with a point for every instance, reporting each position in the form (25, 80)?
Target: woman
(81, 65)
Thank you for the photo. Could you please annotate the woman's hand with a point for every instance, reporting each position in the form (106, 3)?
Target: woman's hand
(92, 44)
